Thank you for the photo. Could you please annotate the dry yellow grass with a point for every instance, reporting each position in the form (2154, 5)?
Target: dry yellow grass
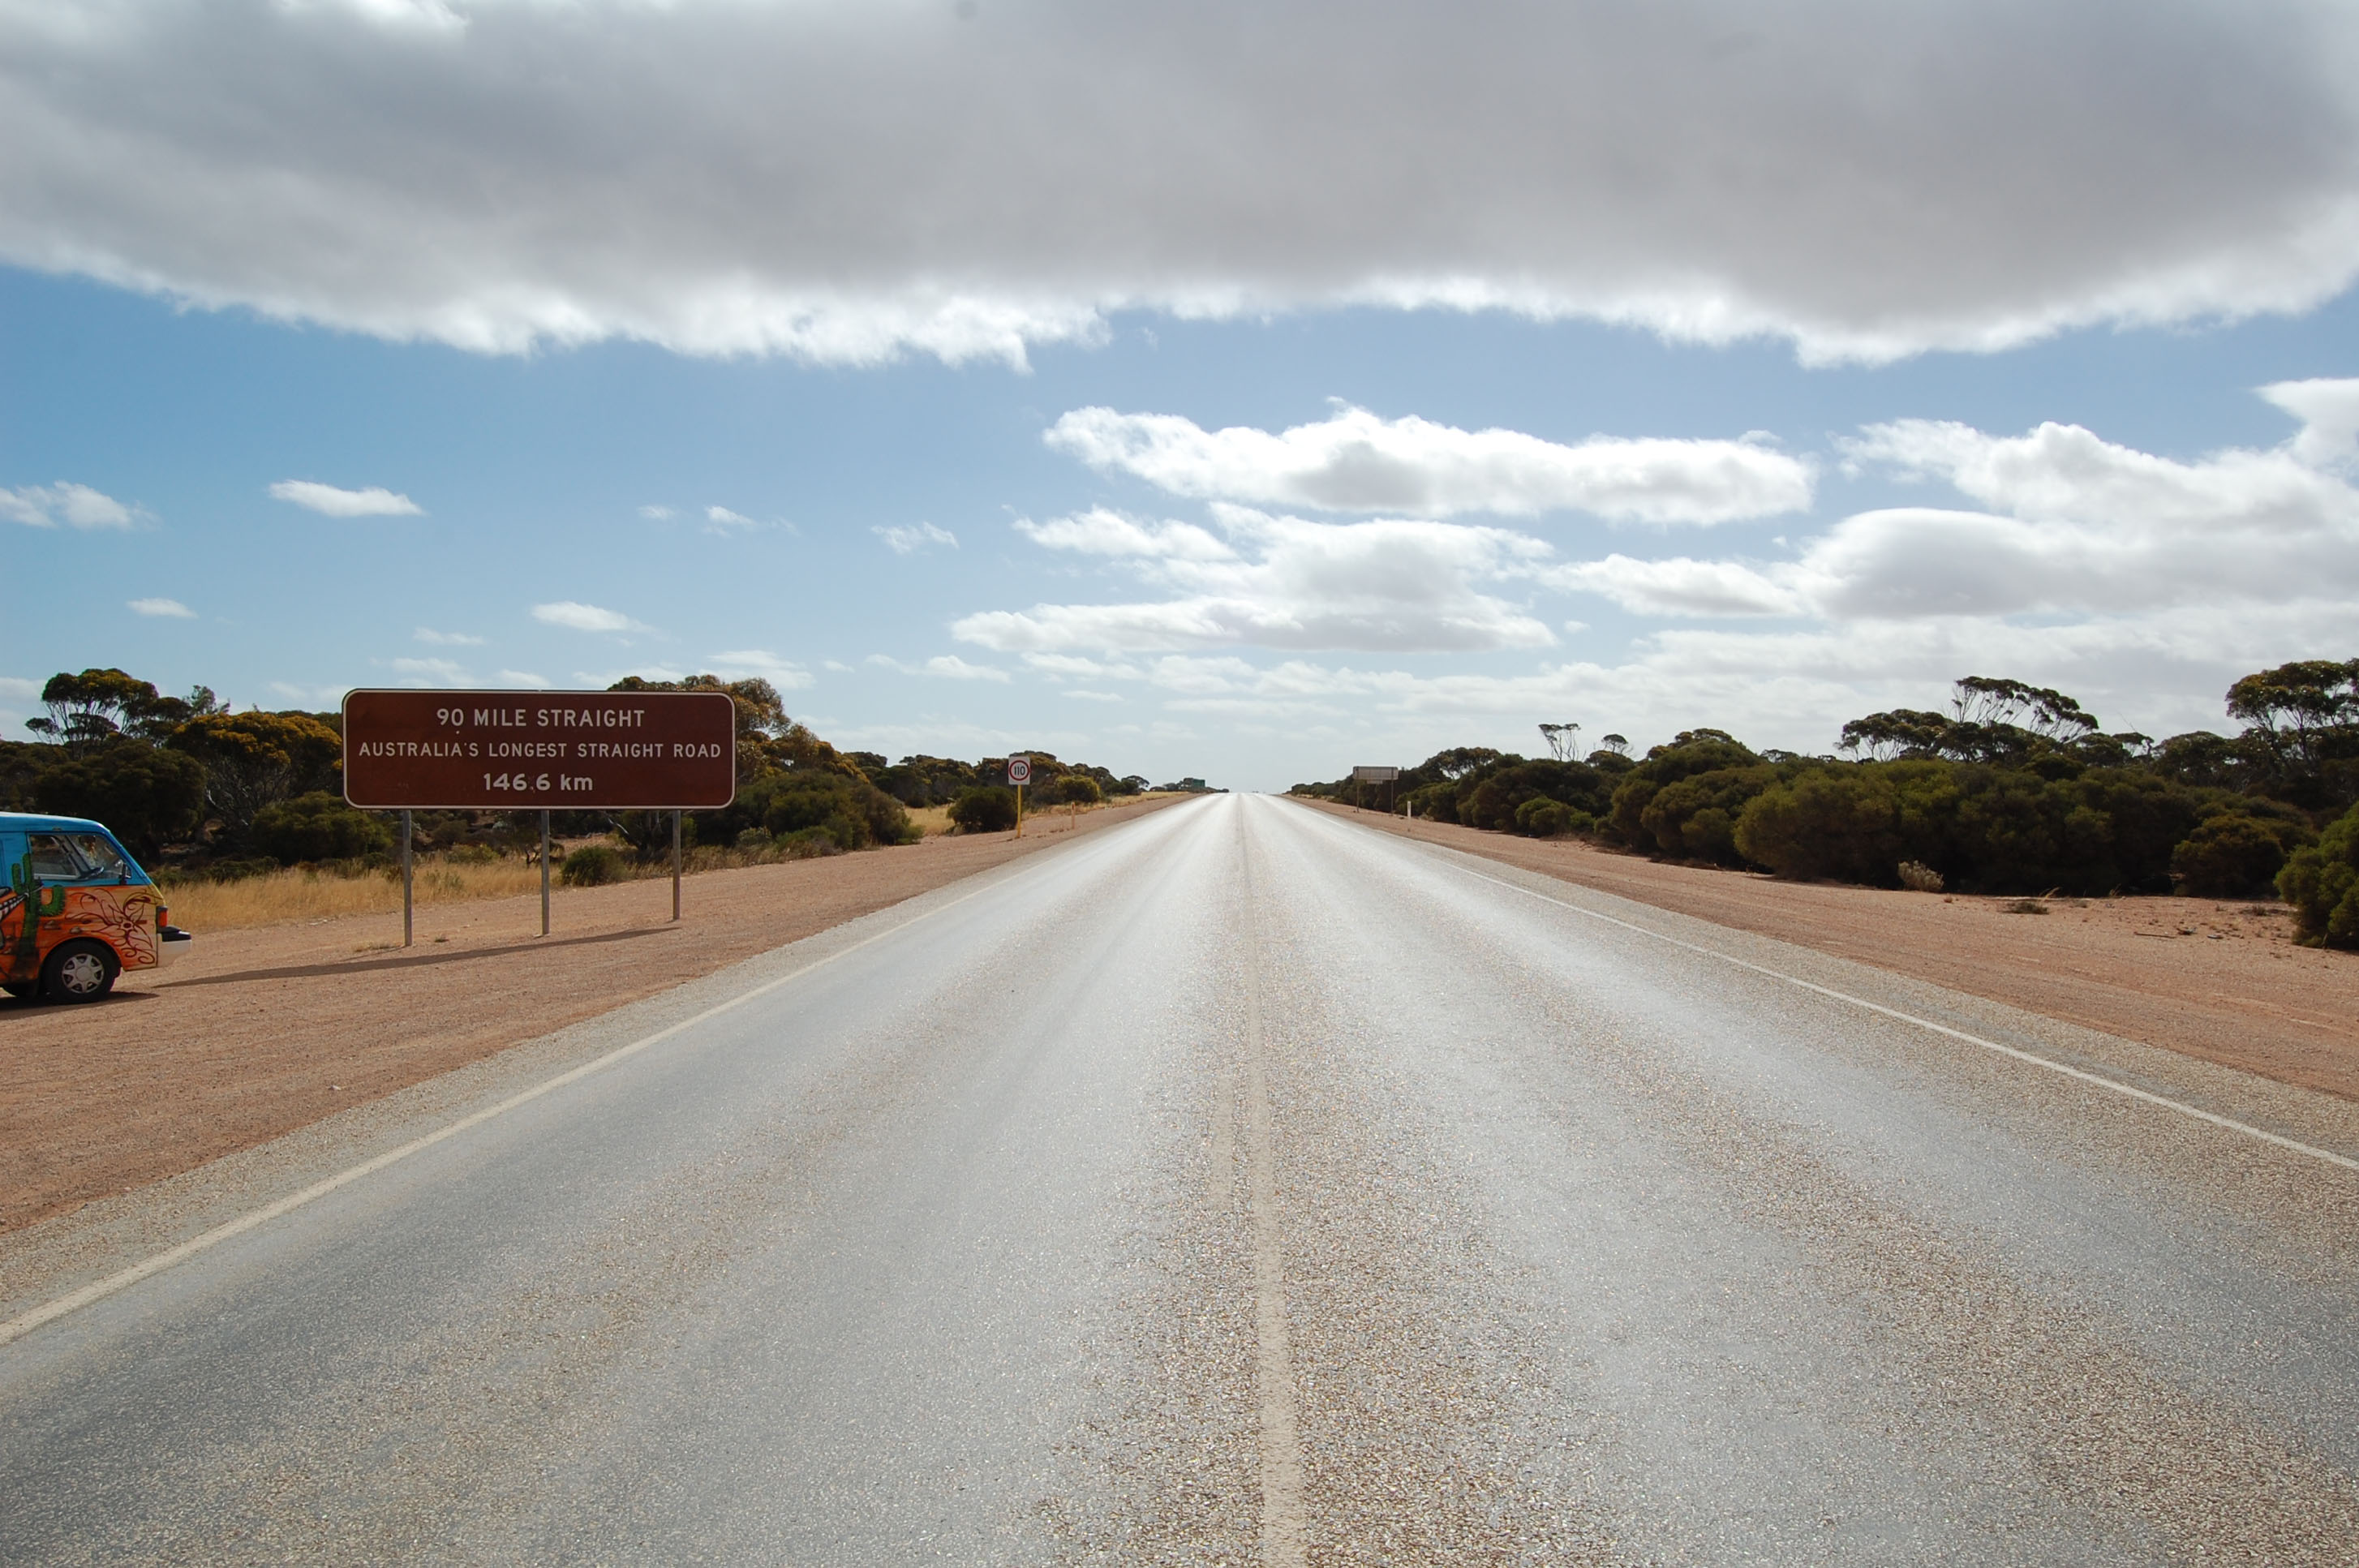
(304, 895)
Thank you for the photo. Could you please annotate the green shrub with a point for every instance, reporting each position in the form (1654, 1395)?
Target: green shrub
(985, 809)
(593, 865)
(1433, 802)
(1540, 817)
(2233, 856)
(1838, 824)
(1079, 789)
(2322, 883)
(1695, 817)
(1494, 800)
(808, 844)
(318, 827)
(1691, 752)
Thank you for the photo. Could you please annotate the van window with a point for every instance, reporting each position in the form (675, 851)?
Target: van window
(51, 860)
(98, 852)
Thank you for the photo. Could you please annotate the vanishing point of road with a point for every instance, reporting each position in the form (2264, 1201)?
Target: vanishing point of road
(1243, 1186)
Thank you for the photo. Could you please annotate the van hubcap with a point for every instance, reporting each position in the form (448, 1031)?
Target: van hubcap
(81, 974)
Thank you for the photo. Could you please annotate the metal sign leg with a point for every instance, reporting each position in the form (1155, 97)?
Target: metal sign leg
(406, 928)
(675, 865)
(544, 873)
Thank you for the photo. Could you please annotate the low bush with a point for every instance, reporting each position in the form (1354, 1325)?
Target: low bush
(2233, 856)
(1540, 817)
(985, 809)
(808, 844)
(1920, 877)
(593, 865)
(318, 827)
(2322, 883)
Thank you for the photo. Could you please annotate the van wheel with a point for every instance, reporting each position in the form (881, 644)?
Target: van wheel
(79, 972)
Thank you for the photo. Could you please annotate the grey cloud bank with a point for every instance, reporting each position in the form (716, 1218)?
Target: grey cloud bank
(1864, 179)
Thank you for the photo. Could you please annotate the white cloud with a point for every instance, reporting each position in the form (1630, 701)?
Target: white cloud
(46, 505)
(330, 501)
(17, 690)
(1863, 178)
(2082, 525)
(2329, 412)
(1402, 586)
(837, 666)
(657, 514)
(582, 617)
(170, 608)
(1087, 695)
(431, 673)
(525, 677)
(721, 520)
(1680, 586)
(918, 537)
(1101, 532)
(948, 665)
(1355, 461)
(759, 663)
(428, 636)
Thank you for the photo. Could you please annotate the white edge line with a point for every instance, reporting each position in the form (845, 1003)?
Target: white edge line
(2099, 1079)
(18, 1327)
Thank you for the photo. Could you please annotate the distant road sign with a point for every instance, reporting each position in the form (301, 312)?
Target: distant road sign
(1371, 775)
(540, 750)
(1019, 770)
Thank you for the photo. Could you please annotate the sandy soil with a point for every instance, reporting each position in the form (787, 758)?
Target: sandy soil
(263, 1030)
(2221, 980)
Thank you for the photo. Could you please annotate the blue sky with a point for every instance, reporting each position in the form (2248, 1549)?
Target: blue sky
(1346, 497)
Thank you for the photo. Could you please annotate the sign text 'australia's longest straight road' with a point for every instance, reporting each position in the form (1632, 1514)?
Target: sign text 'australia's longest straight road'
(611, 750)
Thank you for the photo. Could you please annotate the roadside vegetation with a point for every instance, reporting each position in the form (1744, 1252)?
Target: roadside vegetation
(2015, 789)
(242, 814)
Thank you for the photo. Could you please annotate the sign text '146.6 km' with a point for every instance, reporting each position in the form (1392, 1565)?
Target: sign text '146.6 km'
(607, 750)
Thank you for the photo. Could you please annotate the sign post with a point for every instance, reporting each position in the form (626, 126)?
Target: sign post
(542, 751)
(1371, 773)
(406, 924)
(1019, 773)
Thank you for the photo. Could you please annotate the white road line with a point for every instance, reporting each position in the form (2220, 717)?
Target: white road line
(1284, 1525)
(2033, 1058)
(18, 1327)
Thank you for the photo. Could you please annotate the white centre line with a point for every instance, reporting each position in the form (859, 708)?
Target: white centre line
(1285, 1526)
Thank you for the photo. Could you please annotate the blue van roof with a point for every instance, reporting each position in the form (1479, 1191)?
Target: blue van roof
(33, 821)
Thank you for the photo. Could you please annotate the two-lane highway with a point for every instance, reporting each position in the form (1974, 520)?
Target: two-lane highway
(1242, 1186)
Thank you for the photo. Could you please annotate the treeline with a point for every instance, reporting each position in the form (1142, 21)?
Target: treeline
(2015, 788)
(186, 783)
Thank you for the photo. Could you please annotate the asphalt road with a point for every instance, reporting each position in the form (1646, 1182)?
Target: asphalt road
(1241, 1186)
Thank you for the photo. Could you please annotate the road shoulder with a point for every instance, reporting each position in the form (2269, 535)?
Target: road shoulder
(2204, 978)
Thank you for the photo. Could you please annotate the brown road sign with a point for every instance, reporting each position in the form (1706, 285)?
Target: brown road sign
(533, 750)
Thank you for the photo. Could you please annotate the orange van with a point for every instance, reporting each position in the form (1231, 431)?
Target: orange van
(77, 912)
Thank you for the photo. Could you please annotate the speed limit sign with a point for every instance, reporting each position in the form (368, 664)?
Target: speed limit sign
(1020, 770)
